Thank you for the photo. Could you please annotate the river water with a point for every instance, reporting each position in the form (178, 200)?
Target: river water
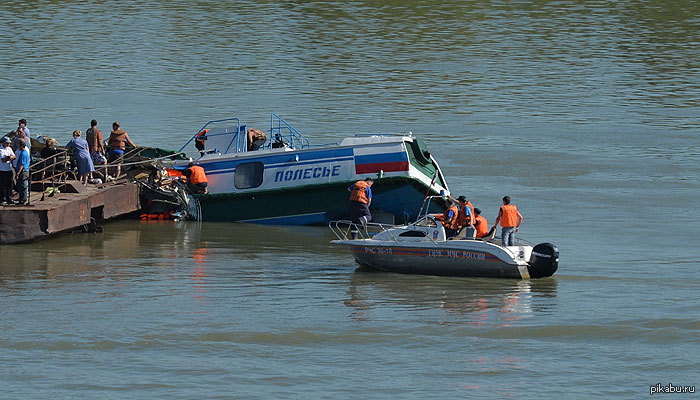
(586, 113)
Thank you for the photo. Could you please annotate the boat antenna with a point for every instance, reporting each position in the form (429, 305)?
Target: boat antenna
(427, 192)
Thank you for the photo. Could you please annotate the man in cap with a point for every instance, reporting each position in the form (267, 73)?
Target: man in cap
(6, 157)
(480, 223)
(465, 217)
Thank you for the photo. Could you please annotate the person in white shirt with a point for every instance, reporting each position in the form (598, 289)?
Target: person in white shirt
(6, 158)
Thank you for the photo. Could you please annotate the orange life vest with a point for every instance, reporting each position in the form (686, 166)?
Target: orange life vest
(198, 175)
(482, 227)
(451, 223)
(201, 135)
(94, 139)
(509, 216)
(463, 220)
(117, 139)
(174, 173)
(358, 192)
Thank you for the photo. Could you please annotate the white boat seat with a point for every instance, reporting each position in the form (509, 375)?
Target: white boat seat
(464, 233)
(489, 236)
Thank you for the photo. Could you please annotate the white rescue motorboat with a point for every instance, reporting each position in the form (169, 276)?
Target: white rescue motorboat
(422, 248)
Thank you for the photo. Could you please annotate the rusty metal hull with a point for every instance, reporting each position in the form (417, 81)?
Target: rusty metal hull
(66, 211)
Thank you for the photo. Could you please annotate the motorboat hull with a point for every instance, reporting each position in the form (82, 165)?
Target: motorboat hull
(441, 262)
(421, 248)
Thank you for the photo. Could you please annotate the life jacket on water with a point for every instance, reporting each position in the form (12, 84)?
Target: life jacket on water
(453, 222)
(167, 215)
(117, 139)
(482, 227)
(509, 216)
(197, 175)
(359, 193)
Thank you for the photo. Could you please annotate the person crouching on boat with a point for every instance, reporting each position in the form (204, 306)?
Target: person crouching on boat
(360, 199)
(450, 219)
(196, 178)
(480, 223)
(256, 139)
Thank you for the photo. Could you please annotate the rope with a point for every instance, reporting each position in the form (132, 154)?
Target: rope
(150, 160)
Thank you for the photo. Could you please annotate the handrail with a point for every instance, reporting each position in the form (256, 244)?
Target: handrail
(49, 163)
(342, 228)
(277, 133)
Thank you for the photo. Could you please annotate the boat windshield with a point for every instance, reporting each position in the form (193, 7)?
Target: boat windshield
(427, 221)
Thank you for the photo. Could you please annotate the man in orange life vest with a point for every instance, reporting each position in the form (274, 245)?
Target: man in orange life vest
(450, 219)
(465, 217)
(196, 178)
(200, 139)
(480, 223)
(360, 199)
(510, 219)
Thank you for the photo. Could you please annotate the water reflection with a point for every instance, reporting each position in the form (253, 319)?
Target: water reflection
(126, 247)
(475, 301)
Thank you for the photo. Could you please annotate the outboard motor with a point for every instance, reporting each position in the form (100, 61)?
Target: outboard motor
(544, 260)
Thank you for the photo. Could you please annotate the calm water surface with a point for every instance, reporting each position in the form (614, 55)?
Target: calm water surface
(586, 113)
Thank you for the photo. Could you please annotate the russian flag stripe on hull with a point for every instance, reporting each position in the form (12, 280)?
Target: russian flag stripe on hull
(387, 162)
(386, 167)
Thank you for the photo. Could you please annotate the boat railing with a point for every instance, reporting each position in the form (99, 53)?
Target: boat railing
(425, 207)
(50, 172)
(282, 133)
(409, 134)
(222, 140)
(348, 230)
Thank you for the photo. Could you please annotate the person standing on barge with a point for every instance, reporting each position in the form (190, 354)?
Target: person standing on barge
(6, 157)
(97, 150)
(22, 172)
(82, 156)
(117, 140)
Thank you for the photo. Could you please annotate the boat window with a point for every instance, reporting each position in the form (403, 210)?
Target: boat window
(249, 175)
(413, 234)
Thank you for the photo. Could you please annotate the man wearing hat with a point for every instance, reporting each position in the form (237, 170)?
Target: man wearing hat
(466, 212)
(6, 157)
(480, 223)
